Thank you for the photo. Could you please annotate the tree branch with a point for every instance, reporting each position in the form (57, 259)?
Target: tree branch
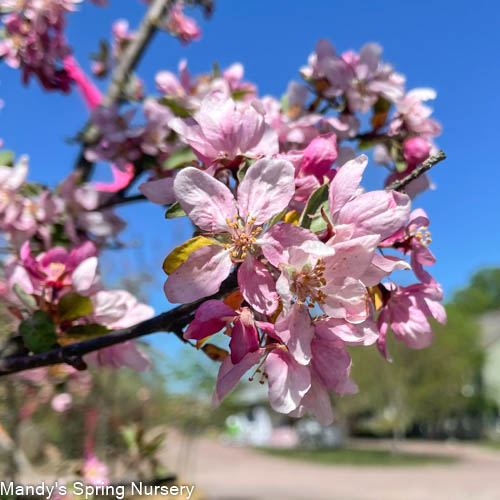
(134, 50)
(171, 321)
(129, 59)
(424, 167)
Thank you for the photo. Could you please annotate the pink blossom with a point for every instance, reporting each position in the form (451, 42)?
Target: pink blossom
(374, 212)
(183, 27)
(35, 41)
(319, 156)
(56, 269)
(119, 309)
(62, 402)
(95, 472)
(213, 315)
(416, 150)
(406, 312)
(362, 78)
(266, 190)
(414, 116)
(224, 129)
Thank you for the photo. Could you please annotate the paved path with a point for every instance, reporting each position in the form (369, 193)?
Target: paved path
(225, 472)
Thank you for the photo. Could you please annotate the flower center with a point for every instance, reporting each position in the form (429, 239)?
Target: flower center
(243, 237)
(421, 235)
(308, 286)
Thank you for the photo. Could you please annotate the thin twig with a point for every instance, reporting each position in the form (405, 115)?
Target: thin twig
(171, 321)
(424, 167)
(115, 201)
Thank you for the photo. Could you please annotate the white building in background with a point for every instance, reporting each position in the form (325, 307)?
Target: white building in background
(490, 325)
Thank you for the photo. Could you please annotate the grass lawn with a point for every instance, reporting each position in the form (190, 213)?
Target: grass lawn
(359, 456)
(493, 445)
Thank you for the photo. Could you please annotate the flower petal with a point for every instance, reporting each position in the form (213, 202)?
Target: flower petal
(295, 329)
(279, 238)
(159, 191)
(288, 381)
(257, 286)
(346, 182)
(206, 201)
(200, 276)
(376, 212)
(229, 374)
(266, 189)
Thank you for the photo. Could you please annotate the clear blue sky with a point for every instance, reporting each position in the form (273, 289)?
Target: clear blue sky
(448, 45)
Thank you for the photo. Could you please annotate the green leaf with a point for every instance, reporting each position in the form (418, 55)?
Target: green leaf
(89, 331)
(382, 105)
(240, 94)
(73, 306)
(174, 211)
(364, 145)
(276, 218)
(284, 103)
(39, 332)
(242, 171)
(6, 158)
(401, 165)
(179, 158)
(175, 107)
(27, 299)
(313, 208)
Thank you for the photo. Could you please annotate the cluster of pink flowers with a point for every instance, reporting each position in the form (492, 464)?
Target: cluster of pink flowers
(362, 82)
(305, 295)
(34, 39)
(66, 287)
(30, 211)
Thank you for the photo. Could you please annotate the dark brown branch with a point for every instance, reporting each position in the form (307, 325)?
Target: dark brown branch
(171, 321)
(424, 167)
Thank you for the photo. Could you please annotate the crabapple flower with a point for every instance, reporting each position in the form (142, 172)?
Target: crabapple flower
(62, 402)
(414, 239)
(362, 78)
(54, 272)
(118, 309)
(223, 129)
(415, 151)
(374, 212)
(266, 190)
(183, 27)
(95, 472)
(34, 40)
(319, 156)
(214, 315)
(413, 116)
(406, 312)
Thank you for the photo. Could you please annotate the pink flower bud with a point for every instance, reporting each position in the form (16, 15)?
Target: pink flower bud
(416, 150)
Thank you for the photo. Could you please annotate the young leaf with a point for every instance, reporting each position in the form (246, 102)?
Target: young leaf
(176, 108)
(313, 208)
(6, 158)
(73, 306)
(39, 332)
(174, 211)
(84, 332)
(27, 299)
(180, 254)
(179, 158)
